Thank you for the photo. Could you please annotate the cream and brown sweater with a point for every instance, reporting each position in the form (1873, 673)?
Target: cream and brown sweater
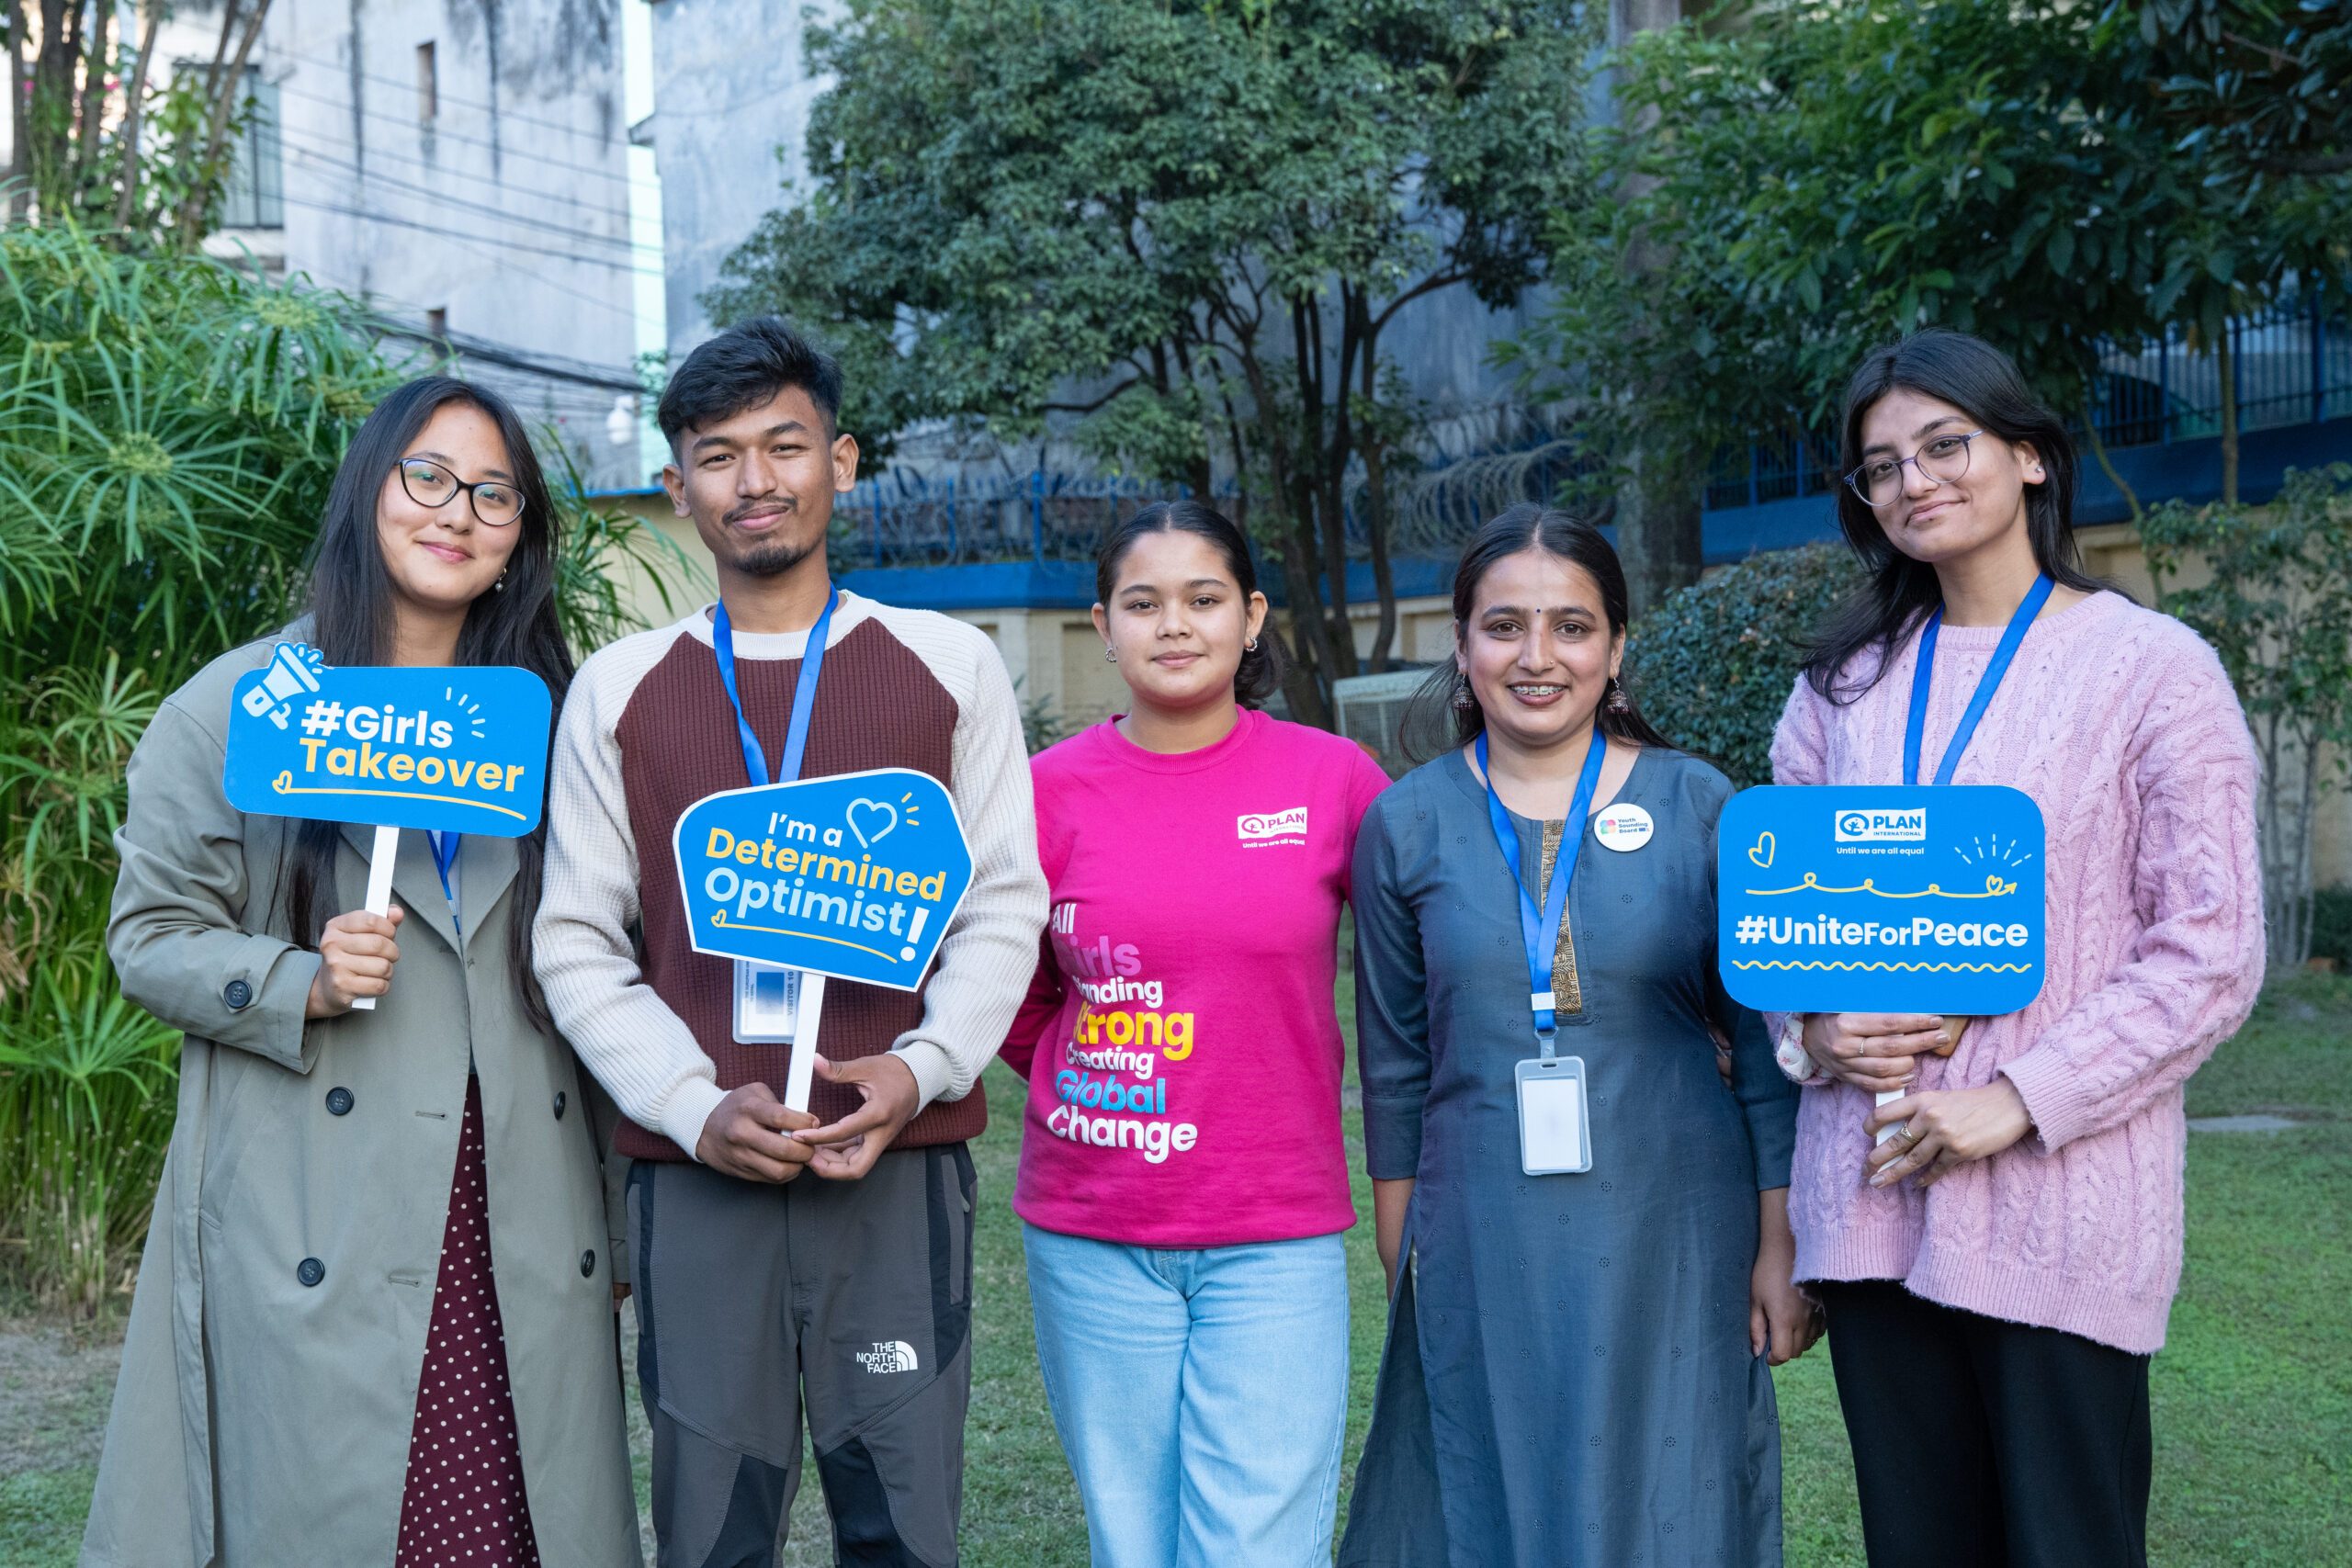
(647, 731)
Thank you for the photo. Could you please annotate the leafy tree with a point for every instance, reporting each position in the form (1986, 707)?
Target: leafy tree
(1829, 175)
(101, 140)
(1188, 226)
(2275, 603)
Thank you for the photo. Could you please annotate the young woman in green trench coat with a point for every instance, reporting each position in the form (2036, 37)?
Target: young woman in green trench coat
(321, 1366)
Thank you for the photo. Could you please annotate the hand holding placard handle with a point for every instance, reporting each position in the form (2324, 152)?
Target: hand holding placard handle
(803, 1070)
(456, 750)
(379, 888)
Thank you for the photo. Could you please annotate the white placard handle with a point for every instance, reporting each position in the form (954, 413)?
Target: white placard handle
(1888, 1096)
(379, 889)
(803, 1070)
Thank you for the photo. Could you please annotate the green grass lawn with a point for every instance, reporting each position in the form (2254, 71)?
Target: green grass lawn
(2253, 1396)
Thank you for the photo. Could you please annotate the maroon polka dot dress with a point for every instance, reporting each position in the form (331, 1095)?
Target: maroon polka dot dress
(463, 1503)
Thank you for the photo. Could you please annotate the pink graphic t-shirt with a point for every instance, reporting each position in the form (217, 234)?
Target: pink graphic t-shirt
(1179, 1040)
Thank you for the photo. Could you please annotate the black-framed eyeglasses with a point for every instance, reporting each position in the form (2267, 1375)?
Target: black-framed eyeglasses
(1942, 459)
(429, 484)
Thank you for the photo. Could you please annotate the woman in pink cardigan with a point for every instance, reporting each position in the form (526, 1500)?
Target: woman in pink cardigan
(1997, 1272)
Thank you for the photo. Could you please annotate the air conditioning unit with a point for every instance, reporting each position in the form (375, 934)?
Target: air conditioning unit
(1370, 711)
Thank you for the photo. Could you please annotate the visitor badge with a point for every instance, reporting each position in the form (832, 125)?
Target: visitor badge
(1622, 827)
(768, 1003)
(1554, 1130)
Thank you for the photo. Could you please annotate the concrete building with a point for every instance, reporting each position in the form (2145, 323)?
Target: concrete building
(462, 167)
(731, 95)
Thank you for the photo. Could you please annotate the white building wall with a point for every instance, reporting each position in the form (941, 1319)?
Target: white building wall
(503, 204)
(731, 98)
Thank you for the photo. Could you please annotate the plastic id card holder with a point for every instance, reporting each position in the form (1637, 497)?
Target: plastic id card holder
(768, 1003)
(1554, 1128)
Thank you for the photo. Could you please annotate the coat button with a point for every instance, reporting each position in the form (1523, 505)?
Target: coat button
(310, 1271)
(237, 994)
(559, 1105)
(588, 1264)
(338, 1102)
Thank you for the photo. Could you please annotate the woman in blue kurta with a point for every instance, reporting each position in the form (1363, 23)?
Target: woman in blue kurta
(1576, 1370)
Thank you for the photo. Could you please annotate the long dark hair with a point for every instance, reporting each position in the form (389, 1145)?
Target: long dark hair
(1897, 592)
(1526, 526)
(1261, 672)
(351, 623)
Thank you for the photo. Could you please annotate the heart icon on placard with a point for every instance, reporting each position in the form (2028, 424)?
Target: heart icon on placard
(1761, 852)
(863, 812)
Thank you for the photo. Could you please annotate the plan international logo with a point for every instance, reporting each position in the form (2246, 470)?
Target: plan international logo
(1261, 829)
(1882, 827)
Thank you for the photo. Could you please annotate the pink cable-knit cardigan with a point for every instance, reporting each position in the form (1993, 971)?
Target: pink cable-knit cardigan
(2121, 725)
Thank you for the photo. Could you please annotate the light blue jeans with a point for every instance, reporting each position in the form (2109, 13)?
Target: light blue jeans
(1202, 1396)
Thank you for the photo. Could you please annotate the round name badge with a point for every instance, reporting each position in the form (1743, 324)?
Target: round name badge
(1623, 828)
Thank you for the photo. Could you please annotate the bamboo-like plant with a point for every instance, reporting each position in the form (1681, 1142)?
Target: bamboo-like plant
(169, 428)
(2275, 603)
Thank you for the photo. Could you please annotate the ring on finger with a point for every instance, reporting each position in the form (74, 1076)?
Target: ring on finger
(1908, 1135)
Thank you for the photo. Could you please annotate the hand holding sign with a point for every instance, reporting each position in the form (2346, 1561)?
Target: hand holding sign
(455, 750)
(1871, 899)
(854, 876)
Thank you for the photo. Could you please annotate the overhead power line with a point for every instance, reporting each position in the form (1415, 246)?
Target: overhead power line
(439, 133)
(462, 234)
(304, 150)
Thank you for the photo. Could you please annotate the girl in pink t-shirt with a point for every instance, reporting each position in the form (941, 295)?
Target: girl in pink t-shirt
(1184, 1177)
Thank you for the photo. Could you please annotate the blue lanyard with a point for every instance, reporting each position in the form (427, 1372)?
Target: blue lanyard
(444, 855)
(1540, 930)
(804, 694)
(1924, 674)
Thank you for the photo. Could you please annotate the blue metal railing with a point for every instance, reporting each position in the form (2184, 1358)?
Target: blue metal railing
(907, 519)
(2292, 364)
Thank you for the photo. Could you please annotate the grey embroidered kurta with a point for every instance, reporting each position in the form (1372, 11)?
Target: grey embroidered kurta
(1568, 1382)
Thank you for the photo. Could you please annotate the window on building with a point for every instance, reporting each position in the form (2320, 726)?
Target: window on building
(428, 85)
(253, 196)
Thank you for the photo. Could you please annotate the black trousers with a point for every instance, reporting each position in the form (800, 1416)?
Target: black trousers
(1980, 1443)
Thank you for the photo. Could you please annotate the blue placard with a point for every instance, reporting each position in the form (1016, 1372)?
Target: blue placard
(457, 748)
(854, 875)
(1881, 900)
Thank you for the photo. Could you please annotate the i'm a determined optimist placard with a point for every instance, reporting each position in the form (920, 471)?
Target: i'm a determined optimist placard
(856, 875)
(455, 750)
(1881, 900)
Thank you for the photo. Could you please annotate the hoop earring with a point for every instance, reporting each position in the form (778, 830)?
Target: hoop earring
(1619, 702)
(1111, 656)
(1249, 647)
(1462, 700)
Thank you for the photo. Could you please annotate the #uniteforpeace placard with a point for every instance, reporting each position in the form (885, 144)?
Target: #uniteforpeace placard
(1928, 898)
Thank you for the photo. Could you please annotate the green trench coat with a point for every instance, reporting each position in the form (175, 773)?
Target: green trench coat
(261, 1421)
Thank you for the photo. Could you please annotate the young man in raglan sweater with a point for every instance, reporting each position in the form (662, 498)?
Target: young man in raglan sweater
(776, 1253)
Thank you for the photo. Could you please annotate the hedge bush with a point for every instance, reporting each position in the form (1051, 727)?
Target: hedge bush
(1713, 664)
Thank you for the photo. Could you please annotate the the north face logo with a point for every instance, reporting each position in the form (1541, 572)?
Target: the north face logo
(888, 1356)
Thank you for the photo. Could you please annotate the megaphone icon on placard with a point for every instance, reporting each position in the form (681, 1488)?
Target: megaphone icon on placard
(294, 669)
